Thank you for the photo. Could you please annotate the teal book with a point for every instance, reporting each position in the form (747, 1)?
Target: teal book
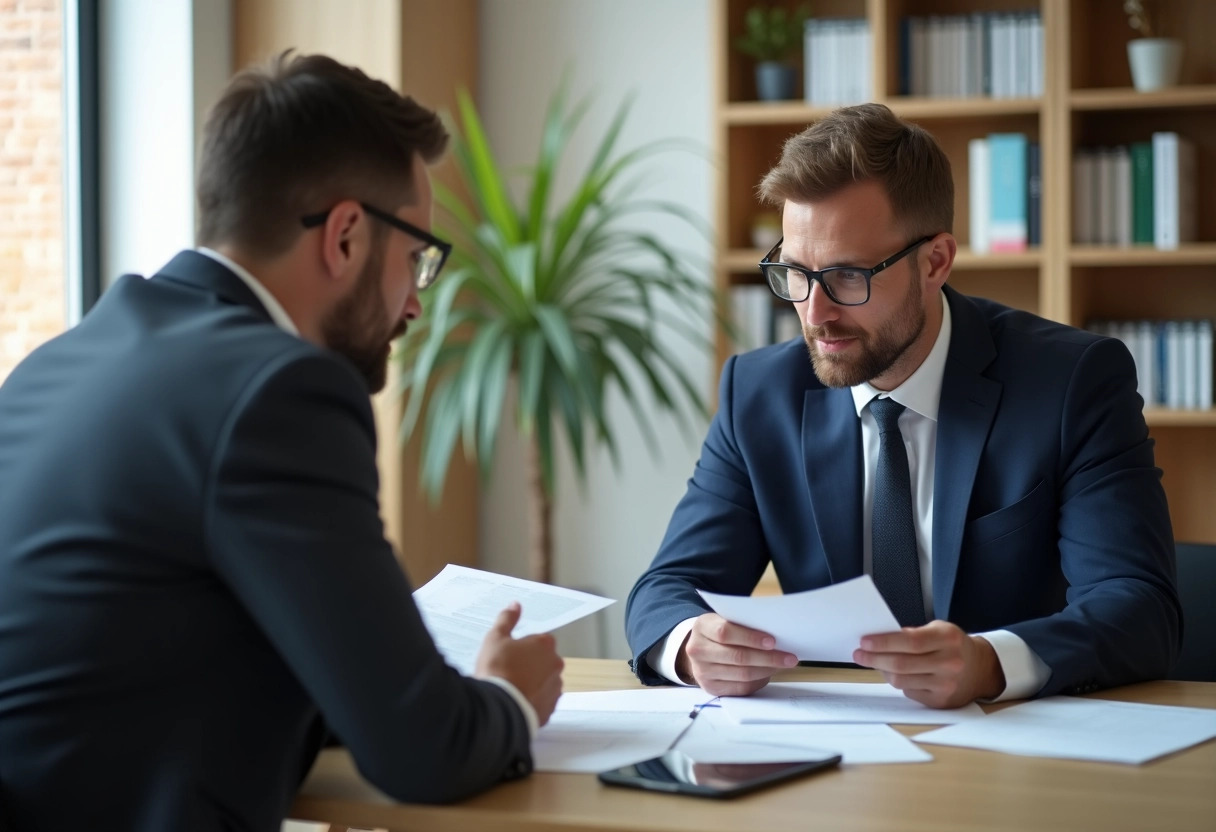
(1008, 228)
(1142, 192)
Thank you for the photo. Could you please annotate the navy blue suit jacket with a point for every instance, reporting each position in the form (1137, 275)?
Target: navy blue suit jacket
(193, 569)
(1049, 519)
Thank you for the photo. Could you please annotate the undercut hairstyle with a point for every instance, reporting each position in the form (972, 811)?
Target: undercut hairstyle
(297, 135)
(861, 144)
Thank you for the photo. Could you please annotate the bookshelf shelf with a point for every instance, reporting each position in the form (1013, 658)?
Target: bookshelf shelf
(967, 260)
(793, 112)
(1190, 254)
(746, 260)
(1126, 98)
(742, 260)
(1163, 417)
(1087, 101)
(771, 112)
(926, 109)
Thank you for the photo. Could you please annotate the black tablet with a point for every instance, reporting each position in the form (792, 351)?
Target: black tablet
(676, 773)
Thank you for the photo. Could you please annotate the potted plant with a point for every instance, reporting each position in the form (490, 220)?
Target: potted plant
(773, 35)
(1155, 61)
(564, 301)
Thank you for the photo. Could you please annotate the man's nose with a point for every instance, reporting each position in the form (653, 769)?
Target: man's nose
(413, 307)
(820, 308)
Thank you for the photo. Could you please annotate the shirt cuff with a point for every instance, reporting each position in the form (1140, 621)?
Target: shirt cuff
(521, 701)
(1025, 673)
(662, 658)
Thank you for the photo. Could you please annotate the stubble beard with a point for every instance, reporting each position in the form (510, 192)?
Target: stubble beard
(355, 327)
(879, 351)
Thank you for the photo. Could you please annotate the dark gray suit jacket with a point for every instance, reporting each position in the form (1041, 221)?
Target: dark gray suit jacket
(1049, 519)
(192, 565)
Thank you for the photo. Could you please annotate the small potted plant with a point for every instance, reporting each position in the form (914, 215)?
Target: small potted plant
(1155, 61)
(773, 35)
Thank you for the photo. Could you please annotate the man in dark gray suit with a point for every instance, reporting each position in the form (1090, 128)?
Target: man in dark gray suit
(193, 569)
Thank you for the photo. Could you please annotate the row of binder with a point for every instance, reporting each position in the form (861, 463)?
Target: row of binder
(1142, 193)
(1173, 360)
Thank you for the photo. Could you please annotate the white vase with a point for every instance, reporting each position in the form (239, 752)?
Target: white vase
(1155, 62)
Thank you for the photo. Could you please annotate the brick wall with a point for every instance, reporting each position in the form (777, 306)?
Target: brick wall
(31, 198)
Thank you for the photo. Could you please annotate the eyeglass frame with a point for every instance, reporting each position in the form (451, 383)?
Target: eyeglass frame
(813, 275)
(445, 248)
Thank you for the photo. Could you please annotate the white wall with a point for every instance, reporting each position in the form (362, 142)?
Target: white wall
(163, 62)
(660, 51)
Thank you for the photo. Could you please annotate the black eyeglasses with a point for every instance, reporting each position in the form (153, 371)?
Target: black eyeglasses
(845, 285)
(430, 259)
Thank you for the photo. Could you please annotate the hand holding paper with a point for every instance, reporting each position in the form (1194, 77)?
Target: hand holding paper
(460, 605)
(530, 663)
(817, 625)
(729, 659)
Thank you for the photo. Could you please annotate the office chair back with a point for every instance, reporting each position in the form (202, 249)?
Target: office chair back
(1197, 592)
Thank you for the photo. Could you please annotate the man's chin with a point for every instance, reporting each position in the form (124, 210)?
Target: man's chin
(376, 382)
(833, 370)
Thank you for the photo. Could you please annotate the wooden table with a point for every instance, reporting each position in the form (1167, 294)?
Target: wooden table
(962, 789)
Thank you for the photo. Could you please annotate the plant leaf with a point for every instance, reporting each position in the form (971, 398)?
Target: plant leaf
(477, 163)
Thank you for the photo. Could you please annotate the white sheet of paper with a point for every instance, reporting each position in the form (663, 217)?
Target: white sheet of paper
(840, 702)
(1083, 729)
(460, 604)
(716, 738)
(656, 700)
(823, 625)
(590, 741)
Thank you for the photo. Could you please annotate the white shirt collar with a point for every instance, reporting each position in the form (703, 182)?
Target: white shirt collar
(922, 391)
(277, 313)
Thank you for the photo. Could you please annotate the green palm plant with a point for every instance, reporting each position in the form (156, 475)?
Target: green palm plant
(566, 300)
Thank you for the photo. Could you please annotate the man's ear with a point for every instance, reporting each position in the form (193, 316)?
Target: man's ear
(940, 253)
(345, 240)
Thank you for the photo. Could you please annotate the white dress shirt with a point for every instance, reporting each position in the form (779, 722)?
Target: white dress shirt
(1025, 673)
(279, 315)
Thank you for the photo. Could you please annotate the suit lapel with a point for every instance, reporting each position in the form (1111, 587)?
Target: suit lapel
(968, 405)
(831, 444)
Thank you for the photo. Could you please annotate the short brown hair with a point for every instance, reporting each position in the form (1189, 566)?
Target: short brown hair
(295, 136)
(868, 143)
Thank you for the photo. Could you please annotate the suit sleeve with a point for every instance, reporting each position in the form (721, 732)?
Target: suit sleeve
(714, 541)
(1123, 621)
(294, 529)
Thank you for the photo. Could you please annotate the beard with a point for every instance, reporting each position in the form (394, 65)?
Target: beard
(879, 350)
(357, 328)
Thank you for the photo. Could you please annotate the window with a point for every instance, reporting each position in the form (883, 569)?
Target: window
(32, 305)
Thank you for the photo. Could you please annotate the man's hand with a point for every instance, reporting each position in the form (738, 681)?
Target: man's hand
(937, 665)
(729, 659)
(530, 663)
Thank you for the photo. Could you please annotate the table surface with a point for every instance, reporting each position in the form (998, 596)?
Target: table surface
(962, 789)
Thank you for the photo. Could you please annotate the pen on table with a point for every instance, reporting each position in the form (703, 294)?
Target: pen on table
(692, 715)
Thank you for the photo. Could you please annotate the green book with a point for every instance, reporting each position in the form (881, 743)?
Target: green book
(1142, 192)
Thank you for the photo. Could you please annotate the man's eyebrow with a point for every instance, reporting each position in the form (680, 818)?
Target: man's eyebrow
(842, 263)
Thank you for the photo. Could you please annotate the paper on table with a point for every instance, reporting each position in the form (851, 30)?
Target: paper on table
(715, 738)
(656, 700)
(816, 625)
(589, 740)
(459, 606)
(840, 702)
(597, 740)
(1083, 729)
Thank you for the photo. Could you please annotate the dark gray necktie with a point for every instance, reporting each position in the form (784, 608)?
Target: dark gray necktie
(895, 563)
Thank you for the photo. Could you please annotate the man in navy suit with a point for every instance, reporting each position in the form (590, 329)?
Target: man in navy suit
(193, 569)
(1033, 553)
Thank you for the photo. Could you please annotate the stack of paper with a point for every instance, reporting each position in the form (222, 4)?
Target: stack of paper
(1083, 729)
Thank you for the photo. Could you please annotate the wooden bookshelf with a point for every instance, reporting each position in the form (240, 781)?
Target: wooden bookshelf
(1087, 100)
